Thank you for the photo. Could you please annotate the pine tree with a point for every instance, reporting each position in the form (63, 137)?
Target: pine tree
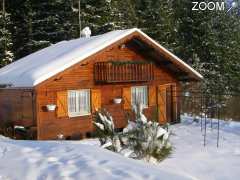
(123, 14)
(156, 18)
(19, 11)
(37, 24)
(217, 46)
(106, 15)
(94, 14)
(209, 42)
(50, 22)
(6, 55)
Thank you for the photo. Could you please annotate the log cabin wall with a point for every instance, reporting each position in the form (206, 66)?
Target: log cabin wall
(81, 76)
(17, 106)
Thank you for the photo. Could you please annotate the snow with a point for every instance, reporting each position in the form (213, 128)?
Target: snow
(86, 32)
(86, 160)
(210, 163)
(70, 160)
(41, 65)
(131, 125)
(99, 125)
(19, 127)
(161, 132)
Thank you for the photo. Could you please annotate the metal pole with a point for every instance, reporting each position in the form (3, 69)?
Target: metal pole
(205, 126)
(3, 7)
(4, 11)
(79, 17)
(4, 21)
(218, 116)
(205, 130)
(211, 111)
(201, 103)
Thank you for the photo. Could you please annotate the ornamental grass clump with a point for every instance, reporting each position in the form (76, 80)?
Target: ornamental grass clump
(140, 139)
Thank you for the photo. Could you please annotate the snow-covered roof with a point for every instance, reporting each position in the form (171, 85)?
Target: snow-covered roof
(43, 64)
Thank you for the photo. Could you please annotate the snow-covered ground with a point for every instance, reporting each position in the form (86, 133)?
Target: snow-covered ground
(30, 160)
(191, 158)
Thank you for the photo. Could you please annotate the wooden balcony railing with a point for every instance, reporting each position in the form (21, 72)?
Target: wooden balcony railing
(109, 72)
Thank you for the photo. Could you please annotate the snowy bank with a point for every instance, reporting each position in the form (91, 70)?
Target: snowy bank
(191, 158)
(30, 160)
(70, 160)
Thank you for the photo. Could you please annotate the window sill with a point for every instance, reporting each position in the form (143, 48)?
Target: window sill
(78, 115)
(144, 107)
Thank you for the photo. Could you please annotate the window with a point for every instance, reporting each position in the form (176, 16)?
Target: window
(78, 102)
(139, 94)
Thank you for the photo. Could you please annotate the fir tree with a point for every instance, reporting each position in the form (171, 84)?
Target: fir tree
(19, 11)
(50, 26)
(156, 18)
(207, 40)
(37, 24)
(6, 55)
(106, 15)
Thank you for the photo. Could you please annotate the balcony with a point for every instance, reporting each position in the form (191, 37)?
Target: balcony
(111, 72)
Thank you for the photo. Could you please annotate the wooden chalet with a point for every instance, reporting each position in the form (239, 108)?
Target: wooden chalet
(57, 89)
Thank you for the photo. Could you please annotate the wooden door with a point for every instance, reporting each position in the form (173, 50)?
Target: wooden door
(175, 104)
(162, 108)
(167, 103)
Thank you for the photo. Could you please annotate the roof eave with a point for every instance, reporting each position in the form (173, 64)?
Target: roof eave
(193, 72)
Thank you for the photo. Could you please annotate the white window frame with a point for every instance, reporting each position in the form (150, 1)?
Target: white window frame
(136, 88)
(77, 112)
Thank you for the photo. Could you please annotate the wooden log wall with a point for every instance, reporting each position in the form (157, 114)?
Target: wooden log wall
(17, 106)
(81, 76)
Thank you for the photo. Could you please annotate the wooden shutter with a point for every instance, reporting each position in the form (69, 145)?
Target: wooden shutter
(96, 99)
(151, 95)
(62, 104)
(126, 98)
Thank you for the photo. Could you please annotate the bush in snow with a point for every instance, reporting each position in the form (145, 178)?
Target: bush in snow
(147, 139)
(105, 131)
(141, 139)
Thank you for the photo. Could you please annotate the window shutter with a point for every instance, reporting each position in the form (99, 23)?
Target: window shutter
(62, 104)
(151, 95)
(96, 99)
(126, 98)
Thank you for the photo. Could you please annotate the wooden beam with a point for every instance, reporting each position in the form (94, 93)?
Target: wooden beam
(164, 62)
(142, 45)
(180, 74)
(160, 58)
